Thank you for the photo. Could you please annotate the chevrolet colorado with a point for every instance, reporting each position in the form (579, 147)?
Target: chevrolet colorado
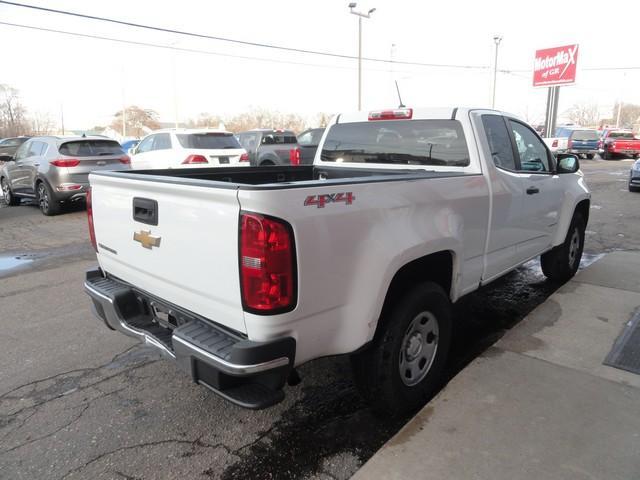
(241, 275)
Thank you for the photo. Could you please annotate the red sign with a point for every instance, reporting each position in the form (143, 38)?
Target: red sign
(555, 66)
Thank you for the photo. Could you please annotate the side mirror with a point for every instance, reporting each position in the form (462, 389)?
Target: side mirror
(568, 163)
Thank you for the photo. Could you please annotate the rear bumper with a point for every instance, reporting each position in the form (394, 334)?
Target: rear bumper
(581, 151)
(249, 374)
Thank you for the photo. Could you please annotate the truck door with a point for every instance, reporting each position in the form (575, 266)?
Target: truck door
(544, 191)
(507, 228)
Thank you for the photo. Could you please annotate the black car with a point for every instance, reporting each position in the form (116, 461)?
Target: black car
(8, 147)
(308, 142)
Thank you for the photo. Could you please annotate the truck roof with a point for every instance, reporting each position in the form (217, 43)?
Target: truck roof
(418, 113)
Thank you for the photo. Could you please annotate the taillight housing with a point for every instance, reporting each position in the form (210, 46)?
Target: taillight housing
(244, 157)
(125, 160)
(554, 144)
(192, 159)
(294, 156)
(397, 114)
(92, 230)
(267, 264)
(65, 162)
(569, 143)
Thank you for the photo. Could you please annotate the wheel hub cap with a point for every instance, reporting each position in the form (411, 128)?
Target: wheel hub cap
(418, 349)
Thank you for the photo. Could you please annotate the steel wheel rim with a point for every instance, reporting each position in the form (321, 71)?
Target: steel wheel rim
(574, 246)
(418, 348)
(43, 198)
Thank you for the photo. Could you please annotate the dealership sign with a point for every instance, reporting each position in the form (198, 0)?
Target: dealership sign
(555, 66)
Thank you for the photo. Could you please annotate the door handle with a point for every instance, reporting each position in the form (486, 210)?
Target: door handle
(36, 164)
(532, 190)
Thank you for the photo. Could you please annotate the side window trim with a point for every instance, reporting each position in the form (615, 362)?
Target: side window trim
(517, 153)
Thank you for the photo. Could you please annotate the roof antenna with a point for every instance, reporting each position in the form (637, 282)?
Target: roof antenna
(402, 105)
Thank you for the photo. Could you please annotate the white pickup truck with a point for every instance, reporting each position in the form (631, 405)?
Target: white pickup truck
(241, 275)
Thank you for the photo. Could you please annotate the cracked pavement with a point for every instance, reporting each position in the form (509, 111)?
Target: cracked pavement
(80, 401)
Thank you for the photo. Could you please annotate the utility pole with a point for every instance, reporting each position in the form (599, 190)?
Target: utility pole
(624, 76)
(497, 39)
(360, 15)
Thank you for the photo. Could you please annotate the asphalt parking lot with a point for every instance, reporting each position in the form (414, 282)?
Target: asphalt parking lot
(80, 401)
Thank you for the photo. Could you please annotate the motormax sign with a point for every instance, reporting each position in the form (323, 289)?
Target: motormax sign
(555, 66)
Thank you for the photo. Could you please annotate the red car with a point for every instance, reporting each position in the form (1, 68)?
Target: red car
(619, 142)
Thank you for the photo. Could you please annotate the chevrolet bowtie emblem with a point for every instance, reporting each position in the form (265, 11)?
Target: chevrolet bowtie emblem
(146, 239)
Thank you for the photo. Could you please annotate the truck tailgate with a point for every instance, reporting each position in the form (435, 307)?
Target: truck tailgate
(191, 255)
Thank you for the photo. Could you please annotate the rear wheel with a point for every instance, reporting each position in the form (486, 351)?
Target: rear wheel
(590, 156)
(46, 201)
(7, 194)
(633, 189)
(403, 368)
(561, 263)
(606, 155)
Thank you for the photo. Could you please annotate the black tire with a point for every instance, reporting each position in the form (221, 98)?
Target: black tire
(46, 201)
(377, 369)
(606, 155)
(267, 163)
(7, 194)
(633, 189)
(590, 156)
(561, 263)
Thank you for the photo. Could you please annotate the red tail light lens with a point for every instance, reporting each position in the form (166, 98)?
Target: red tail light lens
(125, 159)
(92, 230)
(244, 157)
(294, 156)
(397, 114)
(267, 264)
(65, 162)
(191, 159)
(555, 144)
(569, 143)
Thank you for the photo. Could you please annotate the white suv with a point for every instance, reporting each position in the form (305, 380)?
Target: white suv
(183, 148)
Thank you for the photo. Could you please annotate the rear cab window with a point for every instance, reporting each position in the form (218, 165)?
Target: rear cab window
(277, 138)
(90, 148)
(208, 140)
(585, 135)
(398, 142)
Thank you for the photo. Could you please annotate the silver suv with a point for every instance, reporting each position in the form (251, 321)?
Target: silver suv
(55, 170)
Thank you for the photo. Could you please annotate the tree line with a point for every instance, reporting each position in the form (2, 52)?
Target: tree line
(16, 121)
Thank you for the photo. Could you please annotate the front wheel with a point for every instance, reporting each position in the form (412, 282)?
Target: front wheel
(561, 263)
(403, 368)
(46, 201)
(7, 194)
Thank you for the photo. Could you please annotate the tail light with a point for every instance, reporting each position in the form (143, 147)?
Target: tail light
(267, 264)
(92, 230)
(125, 160)
(192, 159)
(569, 143)
(612, 145)
(397, 114)
(65, 162)
(554, 144)
(244, 157)
(294, 156)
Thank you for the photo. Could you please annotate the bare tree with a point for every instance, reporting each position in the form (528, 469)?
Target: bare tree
(41, 123)
(629, 114)
(322, 119)
(12, 113)
(137, 121)
(205, 120)
(584, 114)
(263, 118)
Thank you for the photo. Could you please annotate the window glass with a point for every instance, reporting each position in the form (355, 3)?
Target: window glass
(162, 142)
(628, 135)
(36, 149)
(534, 157)
(404, 142)
(22, 150)
(499, 141)
(248, 141)
(90, 148)
(585, 135)
(146, 144)
(208, 140)
(305, 138)
(286, 138)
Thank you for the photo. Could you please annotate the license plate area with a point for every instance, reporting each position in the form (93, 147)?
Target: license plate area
(223, 160)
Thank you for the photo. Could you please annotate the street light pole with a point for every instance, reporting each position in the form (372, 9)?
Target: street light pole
(360, 15)
(497, 39)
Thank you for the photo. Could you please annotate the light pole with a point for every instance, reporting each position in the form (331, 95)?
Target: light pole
(497, 39)
(360, 15)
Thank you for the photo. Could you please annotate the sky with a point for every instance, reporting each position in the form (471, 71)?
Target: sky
(90, 79)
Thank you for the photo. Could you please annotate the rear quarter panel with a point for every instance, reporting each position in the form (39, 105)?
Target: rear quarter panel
(347, 255)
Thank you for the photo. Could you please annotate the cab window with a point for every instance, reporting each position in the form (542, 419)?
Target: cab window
(534, 156)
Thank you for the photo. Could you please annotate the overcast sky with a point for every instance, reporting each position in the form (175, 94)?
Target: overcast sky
(91, 78)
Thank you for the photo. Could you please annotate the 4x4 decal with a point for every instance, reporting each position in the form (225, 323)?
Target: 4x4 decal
(321, 200)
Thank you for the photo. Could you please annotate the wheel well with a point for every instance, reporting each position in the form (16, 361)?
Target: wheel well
(435, 267)
(583, 209)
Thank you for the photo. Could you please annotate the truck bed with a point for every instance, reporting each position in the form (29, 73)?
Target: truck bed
(273, 177)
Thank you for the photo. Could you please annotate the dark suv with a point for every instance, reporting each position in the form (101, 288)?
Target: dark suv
(55, 170)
